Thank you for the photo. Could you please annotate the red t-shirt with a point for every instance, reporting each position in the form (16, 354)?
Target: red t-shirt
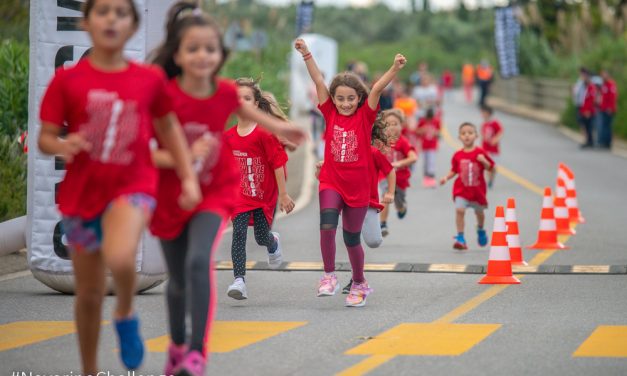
(400, 150)
(379, 166)
(347, 152)
(490, 129)
(217, 174)
(588, 102)
(257, 154)
(609, 95)
(114, 111)
(429, 139)
(470, 183)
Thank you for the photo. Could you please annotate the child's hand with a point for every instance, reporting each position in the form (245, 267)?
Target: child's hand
(493, 142)
(318, 168)
(301, 46)
(286, 204)
(399, 62)
(190, 194)
(73, 144)
(203, 146)
(482, 159)
(294, 134)
(396, 164)
(388, 197)
(443, 181)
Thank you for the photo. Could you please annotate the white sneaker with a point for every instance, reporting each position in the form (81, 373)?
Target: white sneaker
(275, 259)
(237, 290)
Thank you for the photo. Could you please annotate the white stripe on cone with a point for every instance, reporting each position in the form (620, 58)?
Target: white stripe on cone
(513, 241)
(510, 215)
(547, 225)
(499, 253)
(561, 212)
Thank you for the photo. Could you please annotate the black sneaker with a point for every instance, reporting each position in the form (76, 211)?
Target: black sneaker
(347, 288)
(384, 230)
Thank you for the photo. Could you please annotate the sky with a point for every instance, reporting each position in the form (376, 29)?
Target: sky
(394, 4)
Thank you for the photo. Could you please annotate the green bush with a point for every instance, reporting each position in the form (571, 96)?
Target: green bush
(13, 178)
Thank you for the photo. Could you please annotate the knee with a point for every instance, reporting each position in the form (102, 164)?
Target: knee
(262, 240)
(460, 211)
(90, 297)
(351, 239)
(198, 267)
(122, 265)
(329, 219)
(176, 287)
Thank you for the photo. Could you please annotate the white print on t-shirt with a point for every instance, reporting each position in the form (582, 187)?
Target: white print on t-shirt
(488, 132)
(469, 172)
(111, 127)
(344, 145)
(204, 167)
(252, 174)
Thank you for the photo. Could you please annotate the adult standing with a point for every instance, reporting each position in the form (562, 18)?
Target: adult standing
(468, 80)
(484, 79)
(586, 97)
(609, 97)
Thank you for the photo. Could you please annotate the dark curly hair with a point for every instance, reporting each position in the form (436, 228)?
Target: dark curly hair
(353, 81)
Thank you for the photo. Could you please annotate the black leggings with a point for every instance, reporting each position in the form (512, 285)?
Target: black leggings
(191, 283)
(263, 236)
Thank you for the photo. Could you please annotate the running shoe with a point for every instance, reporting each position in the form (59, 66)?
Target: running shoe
(358, 294)
(131, 342)
(384, 229)
(482, 237)
(347, 288)
(402, 213)
(176, 353)
(460, 243)
(328, 285)
(193, 365)
(237, 290)
(275, 259)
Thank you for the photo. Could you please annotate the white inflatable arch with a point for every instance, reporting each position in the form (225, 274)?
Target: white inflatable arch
(56, 40)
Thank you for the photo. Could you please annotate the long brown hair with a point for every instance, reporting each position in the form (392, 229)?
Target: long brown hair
(88, 6)
(379, 137)
(265, 100)
(353, 81)
(182, 16)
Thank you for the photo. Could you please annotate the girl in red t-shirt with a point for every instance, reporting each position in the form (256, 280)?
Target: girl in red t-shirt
(349, 112)
(261, 160)
(402, 155)
(469, 190)
(192, 56)
(429, 133)
(108, 106)
(491, 134)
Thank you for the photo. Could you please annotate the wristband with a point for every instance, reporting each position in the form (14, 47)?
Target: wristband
(307, 56)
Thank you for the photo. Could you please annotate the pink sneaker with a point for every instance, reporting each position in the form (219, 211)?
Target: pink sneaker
(176, 353)
(358, 294)
(193, 365)
(328, 285)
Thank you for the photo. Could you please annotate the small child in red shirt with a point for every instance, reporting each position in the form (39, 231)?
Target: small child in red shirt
(491, 134)
(469, 190)
(261, 160)
(401, 155)
(429, 133)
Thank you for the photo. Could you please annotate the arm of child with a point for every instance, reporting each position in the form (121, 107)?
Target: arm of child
(318, 168)
(448, 177)
(314, 71)
(412, 157)
(171, 137)
(199, 151)
(379, 86)
(286, 204)
(388, 197)
(50, 143)
(497, 137)
(278, 127)
(487, 164)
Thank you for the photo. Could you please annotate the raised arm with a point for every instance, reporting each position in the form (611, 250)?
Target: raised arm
(281, 128)
(379, 86)
(314, 71)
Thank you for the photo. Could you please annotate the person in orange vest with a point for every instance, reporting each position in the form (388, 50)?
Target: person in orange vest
(484, 78)
(468, 80)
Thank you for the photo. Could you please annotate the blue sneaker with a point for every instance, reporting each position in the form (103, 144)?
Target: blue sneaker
(460, 242)
(482, 237)
(402, 213)
(131, 343)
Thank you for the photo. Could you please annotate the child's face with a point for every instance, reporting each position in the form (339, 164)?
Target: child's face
(110, 24)
(200, 52)
(394, 127)
(467, 135)
(246, 95)
(346, 100)
(485, 115)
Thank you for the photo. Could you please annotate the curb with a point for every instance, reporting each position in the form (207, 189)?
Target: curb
(306, 266)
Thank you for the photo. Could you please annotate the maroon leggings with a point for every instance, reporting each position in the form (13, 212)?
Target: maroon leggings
(331, 205)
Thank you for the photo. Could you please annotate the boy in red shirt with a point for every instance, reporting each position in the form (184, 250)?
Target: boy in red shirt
(491, 133)
(429, 133)
(402, 155)
(469, 190)
(609, 97)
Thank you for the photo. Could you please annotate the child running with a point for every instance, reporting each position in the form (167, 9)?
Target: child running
(108, 193)
(429, 133)
(192, 56)
(261, 160)
(349, 112)
(402, 155)
(491, 134)
(469, 190)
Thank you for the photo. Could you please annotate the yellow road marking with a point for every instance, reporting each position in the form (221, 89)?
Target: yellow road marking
(379, 267)
(23, 333)
(305, 265)
(228, 336)
(605, 342)
(366, 365)
(591, 269)
(228, 265)
(447, 267)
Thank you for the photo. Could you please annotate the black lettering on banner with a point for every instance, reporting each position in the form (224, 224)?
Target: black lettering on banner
(69, 23)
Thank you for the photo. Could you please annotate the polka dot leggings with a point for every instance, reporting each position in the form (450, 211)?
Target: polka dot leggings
(263, 236)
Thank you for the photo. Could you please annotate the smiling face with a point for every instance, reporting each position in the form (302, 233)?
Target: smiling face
(346, 100)
(246, 96)
(467, 135)
(200, 53)
(110, 24)
(393, 128)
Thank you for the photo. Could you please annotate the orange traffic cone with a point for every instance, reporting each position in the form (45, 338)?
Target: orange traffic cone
(499, 265)
(547, 235)
(513, 236)
(562, 221)
(574, 214)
